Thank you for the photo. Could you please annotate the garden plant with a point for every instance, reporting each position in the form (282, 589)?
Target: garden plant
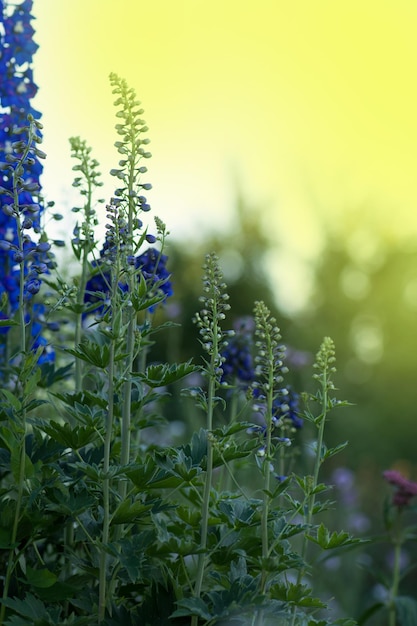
(107, 515)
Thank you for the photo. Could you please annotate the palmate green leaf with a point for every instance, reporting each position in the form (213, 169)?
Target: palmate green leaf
(192, 606)
(198, 449)
(232, 451)
(163, 374)
(296, 594)
(51, 375)
(29, 607)
(93, 353)
(128, 511)
(175, 470)
(74, 437)
(141, 474)
(131, 553)
(239, 512)
(69, 503)
(329, 541)
(84, 399)
(96, 472)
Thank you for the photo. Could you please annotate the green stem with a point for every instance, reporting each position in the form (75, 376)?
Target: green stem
(69, 528)
(209, 475)
(267, 470)
(227, 475)
(103, 588)
(106, 490)
(317, 465)
(206, 492)
(78, 319)
(396, 574)
(131, 327)
(127, 400)
(312, 496)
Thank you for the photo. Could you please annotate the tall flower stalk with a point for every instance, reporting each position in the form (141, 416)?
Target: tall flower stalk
(213, 341)
(267, 388)
(25, 255)
(325, 369)
(129, 196)
(83, 242)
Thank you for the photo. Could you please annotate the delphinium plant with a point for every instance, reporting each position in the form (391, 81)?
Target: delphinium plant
(98, 525)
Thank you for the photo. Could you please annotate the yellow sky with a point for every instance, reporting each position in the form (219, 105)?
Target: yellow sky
(310, 106)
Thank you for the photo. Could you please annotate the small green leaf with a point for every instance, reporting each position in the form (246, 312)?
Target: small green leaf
(5, 323)
(163, 374)
(128, 511)
(13, 401)
(192, 606)
(29, 607)
(40, 577)
(322, 536)
(332, 451)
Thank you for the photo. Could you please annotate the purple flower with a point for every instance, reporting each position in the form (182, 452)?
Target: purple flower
(405, 489)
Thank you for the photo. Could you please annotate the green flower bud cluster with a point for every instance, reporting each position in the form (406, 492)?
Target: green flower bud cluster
(324, 363)
(215, 305)
(130, 146)
(269, 360)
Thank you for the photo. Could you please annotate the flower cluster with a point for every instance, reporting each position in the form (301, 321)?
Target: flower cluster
(20, 168)
(269, 375)
(151, 264)
(405, 489)
(16, 75)
(286, 408)
(238, 366)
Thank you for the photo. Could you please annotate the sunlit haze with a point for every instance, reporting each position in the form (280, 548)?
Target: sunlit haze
(307, 108)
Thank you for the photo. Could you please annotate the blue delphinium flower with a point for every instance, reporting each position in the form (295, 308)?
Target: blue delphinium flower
(17, 88)
(16, 85)
(286, 407)
(151, 264)
(238, 366)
